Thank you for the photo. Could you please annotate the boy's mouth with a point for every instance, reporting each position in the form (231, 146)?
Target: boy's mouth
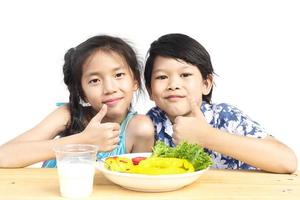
(174, 97)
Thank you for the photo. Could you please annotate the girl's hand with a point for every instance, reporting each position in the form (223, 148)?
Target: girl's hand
(105, 135)
(192, 129)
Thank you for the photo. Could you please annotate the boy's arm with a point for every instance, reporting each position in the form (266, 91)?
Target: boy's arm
(267, 154)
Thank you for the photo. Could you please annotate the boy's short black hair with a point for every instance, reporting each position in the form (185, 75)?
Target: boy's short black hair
(183, 47)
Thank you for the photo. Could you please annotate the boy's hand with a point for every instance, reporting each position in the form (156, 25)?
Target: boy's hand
(193, 128)
(105, 135)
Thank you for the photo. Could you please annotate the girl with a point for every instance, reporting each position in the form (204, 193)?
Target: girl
(102, 75)
(179, 78)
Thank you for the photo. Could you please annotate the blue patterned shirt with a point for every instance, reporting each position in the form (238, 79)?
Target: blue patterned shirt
(221, 116)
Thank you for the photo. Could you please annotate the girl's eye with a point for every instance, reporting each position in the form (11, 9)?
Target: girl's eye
(119, 75)
(162, 77)
(186, 75)
(94, 81)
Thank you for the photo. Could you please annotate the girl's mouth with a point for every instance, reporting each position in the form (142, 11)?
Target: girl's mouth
(112, 102)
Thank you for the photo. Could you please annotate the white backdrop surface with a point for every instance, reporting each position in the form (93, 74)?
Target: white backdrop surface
(254, 46)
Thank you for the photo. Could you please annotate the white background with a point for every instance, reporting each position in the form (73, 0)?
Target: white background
(254, 46)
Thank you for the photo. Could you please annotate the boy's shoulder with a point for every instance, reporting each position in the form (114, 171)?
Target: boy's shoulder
(214, 108)
(219, 108)
(156, 114)
(219, 114)
(211, 111)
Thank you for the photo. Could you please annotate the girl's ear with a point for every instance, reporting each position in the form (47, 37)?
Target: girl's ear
(207, 84)
(135, 85)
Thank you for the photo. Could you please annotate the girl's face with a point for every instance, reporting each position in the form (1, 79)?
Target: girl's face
(174, 83)
(107, 79)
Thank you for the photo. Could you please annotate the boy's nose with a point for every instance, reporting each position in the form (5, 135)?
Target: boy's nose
(174, 84)
(170, 87)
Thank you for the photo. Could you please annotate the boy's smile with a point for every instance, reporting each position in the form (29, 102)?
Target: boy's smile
(173, 82)
(175, 97)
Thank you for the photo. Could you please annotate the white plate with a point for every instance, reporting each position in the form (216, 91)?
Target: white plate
(149, 183)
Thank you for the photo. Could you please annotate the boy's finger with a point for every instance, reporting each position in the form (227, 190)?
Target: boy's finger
(99, 116)
(194, 107)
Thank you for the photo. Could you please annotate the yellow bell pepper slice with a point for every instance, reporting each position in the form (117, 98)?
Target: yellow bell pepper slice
(119, 164)
(158, 166)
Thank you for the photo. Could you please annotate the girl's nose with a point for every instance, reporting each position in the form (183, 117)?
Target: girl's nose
(109, 87)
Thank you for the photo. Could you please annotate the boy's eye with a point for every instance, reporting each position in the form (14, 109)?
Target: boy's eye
(118, 75)
(186, 75)
(161, 77)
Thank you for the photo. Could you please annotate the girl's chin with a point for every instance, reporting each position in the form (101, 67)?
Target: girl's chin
(116, 116)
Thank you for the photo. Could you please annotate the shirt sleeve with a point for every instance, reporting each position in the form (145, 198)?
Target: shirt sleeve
(237, 122)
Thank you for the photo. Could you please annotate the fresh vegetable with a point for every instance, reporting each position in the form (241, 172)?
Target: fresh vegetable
(119, 164)
(137, 160)
(191, 152)
(152, 166)
(164, 160)
(158, 166)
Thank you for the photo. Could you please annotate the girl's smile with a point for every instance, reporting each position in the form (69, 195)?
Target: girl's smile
(107, 79)
(112, 102)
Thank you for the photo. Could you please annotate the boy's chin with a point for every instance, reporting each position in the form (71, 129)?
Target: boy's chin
(174, 114)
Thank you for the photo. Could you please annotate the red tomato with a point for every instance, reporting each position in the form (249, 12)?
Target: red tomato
(137, 160)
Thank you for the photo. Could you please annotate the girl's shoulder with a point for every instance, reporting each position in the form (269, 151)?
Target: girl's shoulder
(140, 123)
(51, 125)
(62, 112)
(59, 118)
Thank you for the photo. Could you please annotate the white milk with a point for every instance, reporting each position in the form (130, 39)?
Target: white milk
(76, 179)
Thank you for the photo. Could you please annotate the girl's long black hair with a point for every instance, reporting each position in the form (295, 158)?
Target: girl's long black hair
(75, 58)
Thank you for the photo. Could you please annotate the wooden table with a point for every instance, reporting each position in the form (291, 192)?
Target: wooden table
(36, 183)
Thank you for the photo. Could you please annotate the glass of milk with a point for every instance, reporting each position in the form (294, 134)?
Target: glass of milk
(76, 169)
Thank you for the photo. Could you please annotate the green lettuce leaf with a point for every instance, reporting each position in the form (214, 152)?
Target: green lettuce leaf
(191, 152)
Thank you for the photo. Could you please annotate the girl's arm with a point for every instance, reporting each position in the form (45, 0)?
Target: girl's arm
(36, 144)
(140, 134)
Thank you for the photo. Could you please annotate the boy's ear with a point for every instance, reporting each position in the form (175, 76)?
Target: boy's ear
(207, 85)
(149, 92)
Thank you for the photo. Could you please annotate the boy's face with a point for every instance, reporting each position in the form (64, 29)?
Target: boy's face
(174, 83)
(107, 79)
